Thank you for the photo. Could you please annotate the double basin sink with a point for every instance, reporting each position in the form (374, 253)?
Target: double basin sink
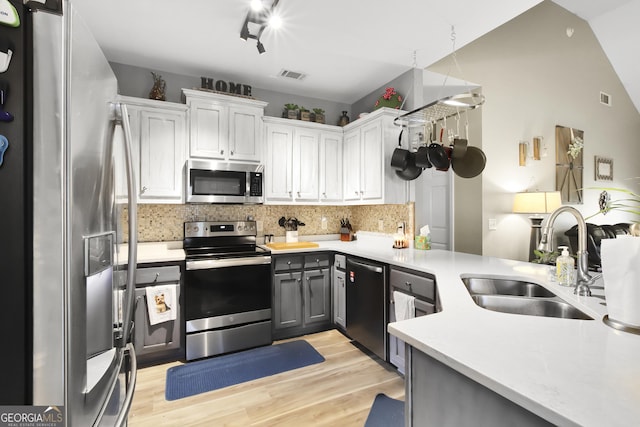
(519, 297)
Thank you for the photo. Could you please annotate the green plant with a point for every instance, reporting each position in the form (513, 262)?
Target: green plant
(318, 110)
(302, 109)
(290, 106)
(545, 257)
(629, 203)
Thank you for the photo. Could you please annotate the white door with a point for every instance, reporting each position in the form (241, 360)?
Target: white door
(209, 130)
(161, 155)
(372, 171)
(351, 165)
(306, 153)
(244, 133)
(434, 206)
(278, 164)
(330, 167)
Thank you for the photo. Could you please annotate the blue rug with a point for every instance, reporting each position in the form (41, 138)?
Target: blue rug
(222, 371)
(386, 412)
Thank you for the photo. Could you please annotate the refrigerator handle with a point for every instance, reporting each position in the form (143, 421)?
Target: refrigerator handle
(122, 117)
(131, 385)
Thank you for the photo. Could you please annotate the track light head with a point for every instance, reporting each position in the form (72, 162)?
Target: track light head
(260, 47)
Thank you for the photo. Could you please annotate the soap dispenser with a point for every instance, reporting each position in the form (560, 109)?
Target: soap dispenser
(564, 268)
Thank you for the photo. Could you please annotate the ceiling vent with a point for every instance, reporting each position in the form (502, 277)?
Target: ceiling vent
(605, 99)
(292, 74)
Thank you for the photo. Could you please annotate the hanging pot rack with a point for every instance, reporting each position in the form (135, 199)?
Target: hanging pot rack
(441, 109)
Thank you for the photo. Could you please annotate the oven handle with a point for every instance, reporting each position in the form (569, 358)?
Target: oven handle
(205, 264)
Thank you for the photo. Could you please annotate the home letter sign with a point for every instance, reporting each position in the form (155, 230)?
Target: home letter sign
(222, 86)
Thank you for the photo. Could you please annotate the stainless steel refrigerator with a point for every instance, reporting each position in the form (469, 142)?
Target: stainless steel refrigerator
(72, 298)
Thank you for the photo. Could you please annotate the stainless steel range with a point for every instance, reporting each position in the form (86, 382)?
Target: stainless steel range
(227, 288)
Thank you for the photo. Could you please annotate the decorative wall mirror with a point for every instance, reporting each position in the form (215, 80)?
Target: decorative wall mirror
(569, 163)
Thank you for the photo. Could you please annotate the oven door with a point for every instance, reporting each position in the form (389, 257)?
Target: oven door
(227, 292)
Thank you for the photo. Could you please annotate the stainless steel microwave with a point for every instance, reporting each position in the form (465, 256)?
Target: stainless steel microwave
(210, 181)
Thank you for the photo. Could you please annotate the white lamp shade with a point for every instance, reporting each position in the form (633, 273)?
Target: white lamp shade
(536, 202)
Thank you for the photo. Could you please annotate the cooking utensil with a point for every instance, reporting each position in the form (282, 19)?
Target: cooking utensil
(437, 156)
(471, 164)
(459, 146)
(400, 156)
(422, 157)
(412, 171)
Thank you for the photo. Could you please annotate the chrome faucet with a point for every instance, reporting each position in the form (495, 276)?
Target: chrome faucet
(546, 244)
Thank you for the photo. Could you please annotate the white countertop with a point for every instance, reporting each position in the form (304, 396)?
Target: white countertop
(149, 252)
(570, 372)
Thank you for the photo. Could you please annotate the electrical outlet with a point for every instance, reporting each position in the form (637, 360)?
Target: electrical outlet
(380, 225)
(259, 226)
(493, 224)
(323, 223)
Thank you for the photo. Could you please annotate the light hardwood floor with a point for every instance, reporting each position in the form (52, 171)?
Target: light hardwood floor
(336, 392)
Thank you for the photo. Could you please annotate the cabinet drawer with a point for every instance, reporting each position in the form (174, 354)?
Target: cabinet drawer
(316, 261)
(151, 275)
(286, 263)
(417, 285)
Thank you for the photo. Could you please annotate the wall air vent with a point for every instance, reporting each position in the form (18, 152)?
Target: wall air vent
(292, 74)
(605, 99)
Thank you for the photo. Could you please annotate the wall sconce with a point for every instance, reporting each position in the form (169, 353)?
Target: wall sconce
(536, 203)
(537, 141)
(522, 153)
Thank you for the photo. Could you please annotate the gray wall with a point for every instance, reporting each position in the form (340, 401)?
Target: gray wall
(405, 84)
(136, 81)
(534, 77)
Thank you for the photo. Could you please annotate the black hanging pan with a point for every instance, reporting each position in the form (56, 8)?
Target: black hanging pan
(400, 156)
(412, 171)
(438, 155)
(471, 164)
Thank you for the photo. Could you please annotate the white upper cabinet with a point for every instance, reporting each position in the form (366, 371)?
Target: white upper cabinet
(303, 163)
(158, 132)
(224, 127)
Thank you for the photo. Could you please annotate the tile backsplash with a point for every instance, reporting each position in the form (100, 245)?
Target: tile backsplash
(160, 222)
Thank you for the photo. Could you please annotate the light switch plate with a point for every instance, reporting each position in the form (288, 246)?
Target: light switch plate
(493, 224)
(323, 223)
(380, 225)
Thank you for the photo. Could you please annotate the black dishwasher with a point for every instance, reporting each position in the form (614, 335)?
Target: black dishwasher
(366, 308)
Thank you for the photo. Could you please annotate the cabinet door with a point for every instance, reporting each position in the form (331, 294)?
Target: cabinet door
(372, 167)
(120, 173)
(351, 165)
(278, 164)
(317, 300)
(150, 338)
(245, 128)
(162, 156)
(330, 167)
(209, 130)
(339, 298)
(306, 152)
(287, 300)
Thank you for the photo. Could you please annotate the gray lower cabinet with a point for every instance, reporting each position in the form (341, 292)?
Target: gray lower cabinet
(301, 294)
(437, 395)
(422, 287)
(163, 340)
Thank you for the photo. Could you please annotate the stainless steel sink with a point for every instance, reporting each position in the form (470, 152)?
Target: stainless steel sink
(530, 306)
(519, 297)
(492, 286)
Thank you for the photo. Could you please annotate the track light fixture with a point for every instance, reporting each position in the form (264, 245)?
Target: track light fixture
(258, 18)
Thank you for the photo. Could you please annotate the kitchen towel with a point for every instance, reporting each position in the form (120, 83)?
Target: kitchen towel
(621, 274)
(405, 306)
(161, 303)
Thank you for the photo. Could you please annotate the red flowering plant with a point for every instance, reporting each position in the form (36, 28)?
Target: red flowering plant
(389, 99)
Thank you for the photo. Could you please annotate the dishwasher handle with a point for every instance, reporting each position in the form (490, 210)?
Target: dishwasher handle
(370, 267)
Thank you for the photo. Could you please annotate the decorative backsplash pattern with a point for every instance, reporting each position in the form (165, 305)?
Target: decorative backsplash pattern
(157, 223)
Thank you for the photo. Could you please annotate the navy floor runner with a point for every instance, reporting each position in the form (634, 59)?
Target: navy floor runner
(222, 371)
(386, 412)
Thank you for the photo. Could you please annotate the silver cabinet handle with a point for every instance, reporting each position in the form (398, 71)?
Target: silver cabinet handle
(298, 194)
(221, 151)
(289, 262)
(143, 190)
(231, 152)
(324, 195)
(408, 284)
(290, 193)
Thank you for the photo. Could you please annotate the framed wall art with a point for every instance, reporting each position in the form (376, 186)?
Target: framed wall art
(569, 163)
(603, 169)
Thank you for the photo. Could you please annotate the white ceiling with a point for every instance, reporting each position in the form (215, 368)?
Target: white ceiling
(346, 48)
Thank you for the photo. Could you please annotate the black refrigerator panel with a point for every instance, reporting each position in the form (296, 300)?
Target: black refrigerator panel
(366, 307)
(15, 315)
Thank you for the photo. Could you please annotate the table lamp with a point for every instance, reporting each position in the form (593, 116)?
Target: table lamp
(536, 203)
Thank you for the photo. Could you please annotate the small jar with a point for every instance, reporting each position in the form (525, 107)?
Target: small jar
(344, 119)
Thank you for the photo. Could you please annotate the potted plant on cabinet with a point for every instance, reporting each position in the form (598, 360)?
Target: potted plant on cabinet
(290, 111)
(318, 115)
(305, 114)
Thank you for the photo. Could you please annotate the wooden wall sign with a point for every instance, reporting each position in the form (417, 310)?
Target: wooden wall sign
(226, 87)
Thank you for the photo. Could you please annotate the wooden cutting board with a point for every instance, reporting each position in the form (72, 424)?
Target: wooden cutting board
(292, 245)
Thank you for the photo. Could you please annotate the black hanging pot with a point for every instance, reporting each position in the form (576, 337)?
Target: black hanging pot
(400, 156)
(422, 157)
(438, 156)
(471, 164)
(412, 171)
